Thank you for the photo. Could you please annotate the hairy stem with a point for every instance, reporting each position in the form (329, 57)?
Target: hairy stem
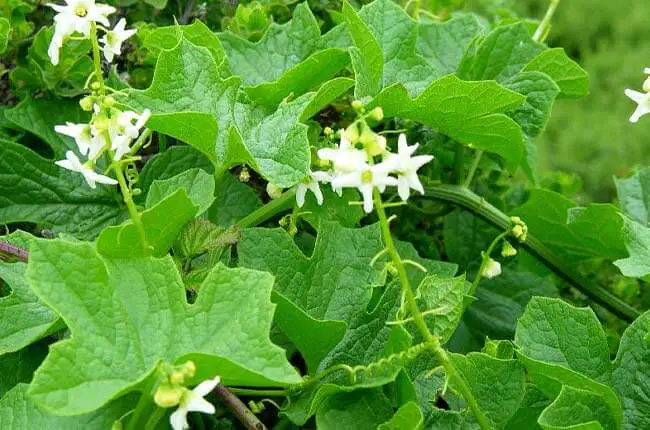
(14, 251)
(130, 205)
(238, 408)
(432, 342)
(542, 28)
(462, 197)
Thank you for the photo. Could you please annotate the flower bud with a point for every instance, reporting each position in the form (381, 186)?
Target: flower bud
(189, 369)
(646, 85)
(167, 396)
(95, 86)
(357, 105)
(109, 101)
(244, 175)
(352, 133)
(492, 269)
(377, 114)
(374, 143)
(86, 103)
(177, 378)
(508, 250)
(328, 131)
(273, 191)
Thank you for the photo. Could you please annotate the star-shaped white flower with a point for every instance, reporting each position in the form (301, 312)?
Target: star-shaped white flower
(406, 167)
(193, 401)
(311, 184)
(112, 40)
(643, 102)
(129, 123)
(81, 133)
(492, 269)
(120, 144)
(346, 158)
(366, 179)
(75, 16)
(72, 163)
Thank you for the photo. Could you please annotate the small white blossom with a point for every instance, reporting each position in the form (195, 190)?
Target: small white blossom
(129, 123)
(72, 163)
(346, 158)
(492, 269)
(81, 133)
(120, 144)
(312, 185)
(193, 401)
(406, 167)
(112, 40)
(643, 102)
(75, 16)
(366, 179)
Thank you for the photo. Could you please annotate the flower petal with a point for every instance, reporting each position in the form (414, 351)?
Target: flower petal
(178, 419)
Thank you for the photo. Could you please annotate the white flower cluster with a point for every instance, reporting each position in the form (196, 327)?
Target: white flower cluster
(78, 16)
(109, 130)
(641, 99)
(352, 167)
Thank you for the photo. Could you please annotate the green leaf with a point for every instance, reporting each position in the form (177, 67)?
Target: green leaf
(19, 366)
(145, 299)
(197, 184)
(465, 236)
(25, 319)
(634, 195)
(158, 4)
(502, 54)
(443, 297)
(233, 201)
(167, 38)
(637, 242)
(407, 417)
(497, 385)
(575, 408)
(631, 374)
(575, 234)
(66, 78)
(535, 401)
(5, 31)
(192, 103)
(359, 410)
(170, 163)
(561, 345)
(39, 116)
(444, 44)
(336, 209)
(470, 112)
(162, 224)
(285, 61)
(572, 79)
(34, 189)
(19, 412)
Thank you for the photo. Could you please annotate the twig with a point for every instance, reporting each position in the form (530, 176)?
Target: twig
(237, 407)
(15, 251)
(188, 12)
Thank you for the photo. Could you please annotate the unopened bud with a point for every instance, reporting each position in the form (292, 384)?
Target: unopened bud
(377, 114)
(374, 143)
(357, 105)
(109, 101)
(293, 230)
(492, 269)
(646, 85)
(177, 378)
(95, 86)
(244, 175)
(328, 131)
(352, 133)
(86, 103)
(273, 191)
(508, 250)
(189, 368)
(519, 229)
(167, 396)
(392, 270)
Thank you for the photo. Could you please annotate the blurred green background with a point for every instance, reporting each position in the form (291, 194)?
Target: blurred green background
(593, 137)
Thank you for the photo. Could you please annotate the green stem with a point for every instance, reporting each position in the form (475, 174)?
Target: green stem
(484, 262)
(542, 28)
(143, 405)
(154, 418)
(269, 210)
(472, 169)
(130, 205)
(470, 201)
(97, 59)
(258, 393)
(432, 342)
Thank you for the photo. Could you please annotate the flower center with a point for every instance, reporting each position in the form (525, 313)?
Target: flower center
(80, 11)
(366, 177)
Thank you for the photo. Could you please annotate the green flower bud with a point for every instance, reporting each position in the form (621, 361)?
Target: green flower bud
(244, 175)
(377, 114)
(109, 101)
(352, 133)
(508, 250)
(177, 378)
(357, 105)
(95, 86)
(374, 143)
(167, 396)
(86, 103)
(328, 131)
(646, 85)
(189, 369)
(273, 191)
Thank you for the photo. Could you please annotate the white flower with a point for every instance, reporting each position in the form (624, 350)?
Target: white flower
(72, 163)
(193, 401)
(346, 158)
(312, 185)
(81, 133)
(120, 144)
(492, 269)
(129, 123)
(406, 167)
(643, 102)
(113, 39)
(75, 16)
(366, 179)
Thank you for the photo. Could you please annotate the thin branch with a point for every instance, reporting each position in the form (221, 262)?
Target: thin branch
(238, 408)
(20, 253)
(188, 12)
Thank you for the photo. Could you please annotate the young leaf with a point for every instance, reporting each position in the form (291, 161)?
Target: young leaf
(572, 79)
(51, 196)
(443, 297)
(575, 408)
(145, 299)
(5, 31)
(19, 412)
(634, 195)
(25, 319)
(637, 243)
(631, 374)
(408, 417)
(197, 184)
